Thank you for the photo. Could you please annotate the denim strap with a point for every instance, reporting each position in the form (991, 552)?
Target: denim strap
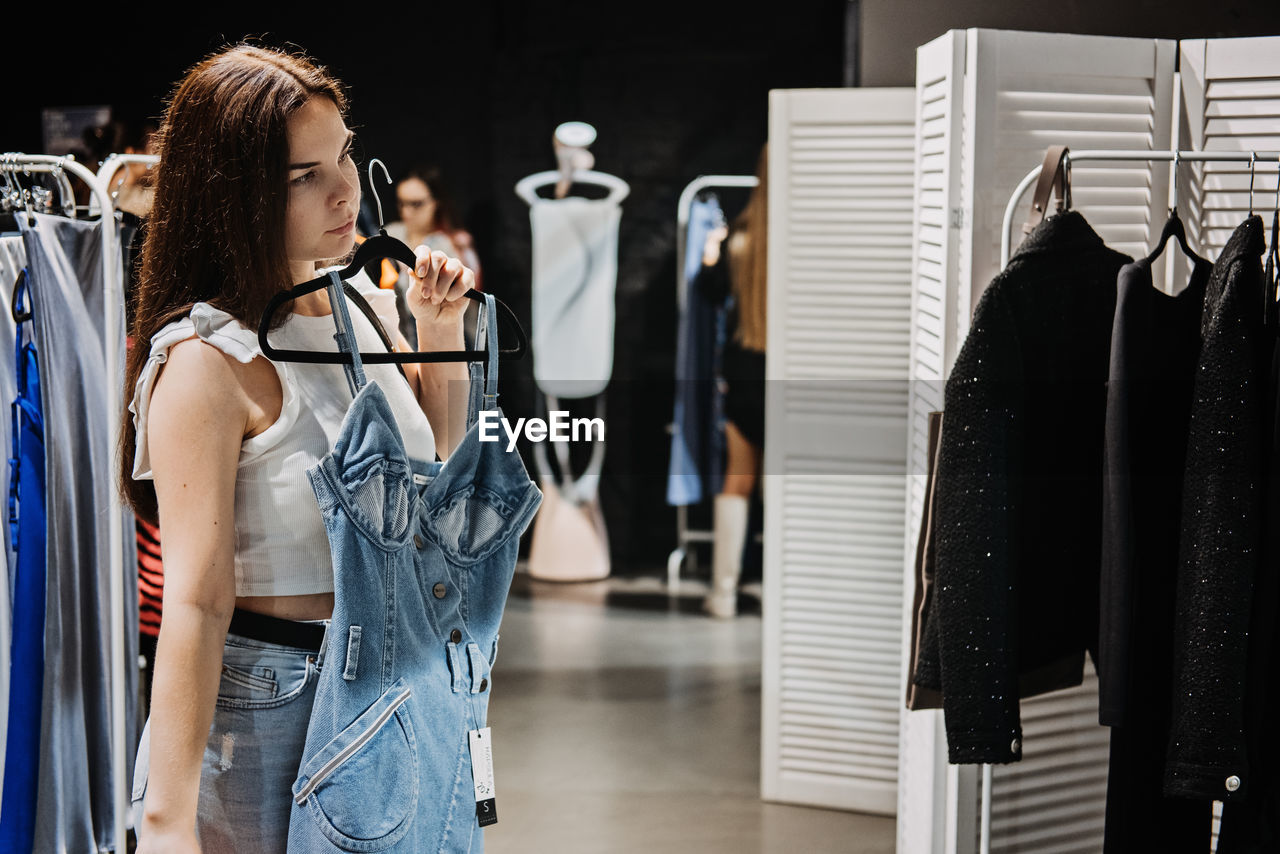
(491, 344)
(483, 394)
(346, 335)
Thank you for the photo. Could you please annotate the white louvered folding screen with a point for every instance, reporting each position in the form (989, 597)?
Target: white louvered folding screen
(840, 175)
(934, 306)
(1230, 102)
(1019, 93)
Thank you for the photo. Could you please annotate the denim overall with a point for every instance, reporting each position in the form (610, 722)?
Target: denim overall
(423, 556)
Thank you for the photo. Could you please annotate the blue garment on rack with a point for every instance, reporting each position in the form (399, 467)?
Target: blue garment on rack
(697, 438)
(27, 532)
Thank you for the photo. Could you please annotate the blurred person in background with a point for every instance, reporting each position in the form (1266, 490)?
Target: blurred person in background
(429, 217)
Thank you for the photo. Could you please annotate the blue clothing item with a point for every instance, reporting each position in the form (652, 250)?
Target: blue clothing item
(27, 532)
(696, 436)
(423, 556)
(255, 744)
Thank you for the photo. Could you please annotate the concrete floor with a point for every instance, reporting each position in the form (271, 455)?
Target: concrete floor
(627, 722)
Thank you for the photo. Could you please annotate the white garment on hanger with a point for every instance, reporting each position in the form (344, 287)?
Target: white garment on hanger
(575, 271)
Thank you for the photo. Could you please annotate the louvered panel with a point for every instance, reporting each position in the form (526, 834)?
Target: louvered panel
(840, 615)
(841, 171)
(938, 108)
(1049, 801)
(1231, 102)
(1037, 95)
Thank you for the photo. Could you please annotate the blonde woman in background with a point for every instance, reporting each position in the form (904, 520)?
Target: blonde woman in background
(735, 262)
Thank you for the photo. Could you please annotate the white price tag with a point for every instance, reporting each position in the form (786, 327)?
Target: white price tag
(481, 745)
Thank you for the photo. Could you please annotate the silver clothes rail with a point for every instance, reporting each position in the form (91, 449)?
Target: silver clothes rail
(1078, 156)
(684, 535)
(112, 306)
(1006, 243)
(115, 162)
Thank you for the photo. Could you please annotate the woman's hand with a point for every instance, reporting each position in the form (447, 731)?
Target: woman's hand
(436, 285)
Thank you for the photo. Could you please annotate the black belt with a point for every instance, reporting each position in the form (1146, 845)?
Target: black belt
(292, 633)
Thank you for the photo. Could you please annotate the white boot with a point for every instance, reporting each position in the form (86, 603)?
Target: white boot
(726, 556)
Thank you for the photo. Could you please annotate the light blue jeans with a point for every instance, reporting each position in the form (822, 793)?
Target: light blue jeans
(255, 744)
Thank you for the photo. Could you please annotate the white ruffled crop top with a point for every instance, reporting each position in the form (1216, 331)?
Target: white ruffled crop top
(281, 545)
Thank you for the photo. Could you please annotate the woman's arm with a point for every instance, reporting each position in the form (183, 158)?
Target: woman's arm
(434, 297)
(198, 417)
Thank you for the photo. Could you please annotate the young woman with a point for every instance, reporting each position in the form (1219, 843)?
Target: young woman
(256, 190)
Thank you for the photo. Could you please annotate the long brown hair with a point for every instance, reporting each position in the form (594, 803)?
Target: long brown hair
(749, 261)
(216, 231)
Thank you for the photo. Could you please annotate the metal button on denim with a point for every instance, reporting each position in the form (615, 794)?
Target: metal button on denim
(455, 636)
(484, 684)
(1233, 783)
(438, 591)
(417, 542)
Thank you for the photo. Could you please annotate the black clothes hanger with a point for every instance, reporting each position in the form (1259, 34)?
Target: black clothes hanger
(380, 246)
(17, 306)
(1174, 227)
(383, 246)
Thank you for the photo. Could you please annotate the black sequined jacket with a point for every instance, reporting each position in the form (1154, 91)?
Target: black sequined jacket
(1221, 531)
(1019, 492)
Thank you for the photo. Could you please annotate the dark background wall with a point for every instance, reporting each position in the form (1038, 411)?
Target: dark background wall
(887, 30)
(675, 90)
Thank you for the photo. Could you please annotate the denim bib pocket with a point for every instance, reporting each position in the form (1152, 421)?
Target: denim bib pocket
(471, 524)
(378, 494)
(361, 789)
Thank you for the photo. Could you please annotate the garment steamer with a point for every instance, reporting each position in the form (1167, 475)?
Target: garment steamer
(574, 279)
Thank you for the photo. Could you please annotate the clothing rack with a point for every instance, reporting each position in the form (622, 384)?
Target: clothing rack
(684, 535)
(115, 162)
(112, 305)
(1006, 243)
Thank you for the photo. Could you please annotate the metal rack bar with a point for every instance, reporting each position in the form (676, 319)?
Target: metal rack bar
(115, 162)
(1006, 240)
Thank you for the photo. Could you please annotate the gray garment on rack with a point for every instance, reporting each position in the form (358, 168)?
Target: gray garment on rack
(74, 802)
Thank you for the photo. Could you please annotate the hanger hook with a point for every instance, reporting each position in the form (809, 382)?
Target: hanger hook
(1253, 159)
(1066, 179)
(6, 166)
(377, 201)
(1278, 184)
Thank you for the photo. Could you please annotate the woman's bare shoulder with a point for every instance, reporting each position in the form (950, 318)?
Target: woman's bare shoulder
(199, 381)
